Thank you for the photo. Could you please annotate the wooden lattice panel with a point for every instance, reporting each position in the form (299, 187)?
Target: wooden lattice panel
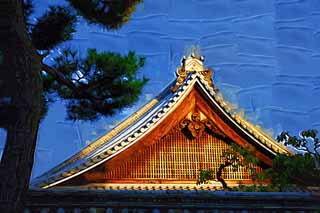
(176, 157)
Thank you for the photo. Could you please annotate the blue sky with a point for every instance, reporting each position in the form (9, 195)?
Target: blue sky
(265, 55)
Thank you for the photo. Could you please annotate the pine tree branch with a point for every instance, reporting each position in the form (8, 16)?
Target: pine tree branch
(304, 149)
(79, 93)
(53, 27)
(59, 77)
(111, 14)
(97, 84)
(317, 144)
(96, 102)
(307, 149)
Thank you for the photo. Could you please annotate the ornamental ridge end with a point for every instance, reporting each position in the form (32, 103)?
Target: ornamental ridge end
(193, 64)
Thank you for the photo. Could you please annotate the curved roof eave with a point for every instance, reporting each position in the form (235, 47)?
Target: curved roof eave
(253, 132)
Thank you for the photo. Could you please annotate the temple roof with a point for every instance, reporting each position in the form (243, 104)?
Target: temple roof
(191, 73)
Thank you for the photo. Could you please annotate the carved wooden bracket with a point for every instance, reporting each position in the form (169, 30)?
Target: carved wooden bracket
(195, 126)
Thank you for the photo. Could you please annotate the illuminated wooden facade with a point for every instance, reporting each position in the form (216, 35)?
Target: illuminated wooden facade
(168, 141)
(175, 158)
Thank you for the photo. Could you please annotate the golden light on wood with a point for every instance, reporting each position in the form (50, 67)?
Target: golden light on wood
(175, 157)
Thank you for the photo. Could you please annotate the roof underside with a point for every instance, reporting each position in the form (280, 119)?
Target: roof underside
(143, 121)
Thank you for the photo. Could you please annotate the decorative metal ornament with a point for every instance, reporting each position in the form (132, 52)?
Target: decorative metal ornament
(192, 64)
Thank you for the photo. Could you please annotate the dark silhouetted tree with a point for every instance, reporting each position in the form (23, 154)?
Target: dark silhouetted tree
(307, 142)
(301, 169)
(94, 85)
(234, 157)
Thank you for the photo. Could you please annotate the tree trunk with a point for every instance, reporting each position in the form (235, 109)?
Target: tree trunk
(20, 79)
(219, 174)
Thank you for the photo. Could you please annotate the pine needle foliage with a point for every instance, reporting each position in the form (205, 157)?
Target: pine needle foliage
(28, 9)
(111, 14)
(53, 27)
(94, 85)
(297, 170)
(100, 82)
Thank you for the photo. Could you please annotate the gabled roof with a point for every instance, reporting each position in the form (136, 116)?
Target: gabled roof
(131, 130)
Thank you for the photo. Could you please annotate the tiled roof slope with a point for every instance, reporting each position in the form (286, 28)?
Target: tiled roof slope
(144, 120)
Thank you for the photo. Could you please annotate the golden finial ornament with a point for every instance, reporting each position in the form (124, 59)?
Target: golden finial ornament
(192, 64)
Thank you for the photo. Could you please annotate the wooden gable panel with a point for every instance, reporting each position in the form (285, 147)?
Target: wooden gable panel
(176, 158)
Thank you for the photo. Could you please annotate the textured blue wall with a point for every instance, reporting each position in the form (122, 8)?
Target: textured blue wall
(265, 54)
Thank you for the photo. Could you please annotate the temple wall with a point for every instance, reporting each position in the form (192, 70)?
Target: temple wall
(265, 53)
